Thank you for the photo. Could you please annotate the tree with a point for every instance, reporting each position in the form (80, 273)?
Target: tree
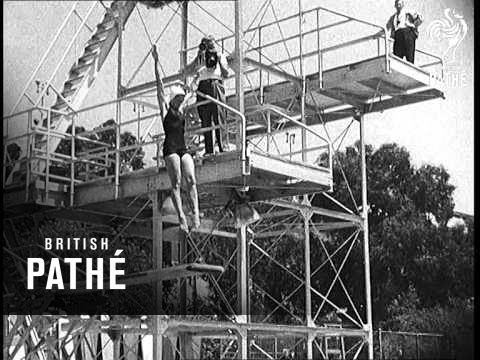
(412, 250)
(130, 159)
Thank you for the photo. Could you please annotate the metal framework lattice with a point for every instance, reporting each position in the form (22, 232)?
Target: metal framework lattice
(271, 100)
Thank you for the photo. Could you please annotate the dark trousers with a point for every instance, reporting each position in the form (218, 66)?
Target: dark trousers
(404, 45)
(211, 114)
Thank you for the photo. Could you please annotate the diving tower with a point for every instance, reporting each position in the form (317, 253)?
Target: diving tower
(95, 186)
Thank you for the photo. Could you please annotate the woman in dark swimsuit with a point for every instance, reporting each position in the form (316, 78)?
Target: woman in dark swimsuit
(178, 160)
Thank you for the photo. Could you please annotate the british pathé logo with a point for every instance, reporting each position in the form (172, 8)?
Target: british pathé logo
(452, 29)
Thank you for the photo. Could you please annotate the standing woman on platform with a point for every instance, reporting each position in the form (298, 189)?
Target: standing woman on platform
(178, 160)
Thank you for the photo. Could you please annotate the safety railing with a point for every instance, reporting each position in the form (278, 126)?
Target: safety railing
(32, 141)
(322, 150)
(371, 40)
(77, 20)
(92, 154)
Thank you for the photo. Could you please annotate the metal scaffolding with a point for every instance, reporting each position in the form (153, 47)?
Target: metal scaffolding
(98, 188)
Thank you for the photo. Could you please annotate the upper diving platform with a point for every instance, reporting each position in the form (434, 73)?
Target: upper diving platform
(371, 85)
(57, 169)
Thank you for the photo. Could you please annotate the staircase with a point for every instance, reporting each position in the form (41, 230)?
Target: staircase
(81, 78)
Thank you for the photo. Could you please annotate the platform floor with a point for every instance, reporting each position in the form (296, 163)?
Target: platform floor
(365, 85)
(217, 178)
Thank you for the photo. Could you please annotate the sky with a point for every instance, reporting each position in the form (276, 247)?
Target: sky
(438, 132)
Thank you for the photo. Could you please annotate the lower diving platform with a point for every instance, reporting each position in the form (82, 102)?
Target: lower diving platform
(217, 177)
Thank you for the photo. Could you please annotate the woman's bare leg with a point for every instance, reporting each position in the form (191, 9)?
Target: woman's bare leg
(188, 172)
(174, 171)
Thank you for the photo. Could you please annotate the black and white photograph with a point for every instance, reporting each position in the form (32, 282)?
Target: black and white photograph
(238, 179)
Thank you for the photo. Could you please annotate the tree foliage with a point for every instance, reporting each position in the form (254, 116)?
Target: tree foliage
(411, 248)
(130, 159)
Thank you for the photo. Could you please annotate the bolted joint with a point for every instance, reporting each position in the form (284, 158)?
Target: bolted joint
(357, 114)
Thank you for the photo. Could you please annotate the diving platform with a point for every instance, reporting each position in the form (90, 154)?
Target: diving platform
(269, 177)
(112, 178)
(372, 85)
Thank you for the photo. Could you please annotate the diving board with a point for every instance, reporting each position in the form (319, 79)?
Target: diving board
(145, 277)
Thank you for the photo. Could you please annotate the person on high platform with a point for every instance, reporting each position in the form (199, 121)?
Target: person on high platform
(178, 160)
(210, 68)
(403, 27)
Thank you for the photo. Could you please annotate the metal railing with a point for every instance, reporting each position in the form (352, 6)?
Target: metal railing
(380, 35)
(285, 118)
(92, 163)
(412, 345)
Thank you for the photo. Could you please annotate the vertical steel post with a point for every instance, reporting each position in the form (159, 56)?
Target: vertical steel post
(157, 239)
(269, 130)
(239, 71)
(319, 53)
(29, 156)
(47, 167)
(302, 75)
(260, 72)
(184, 38)
(118, 108)
(242, 278)
(380, 343)
(366, 250)
(306, 215)
(308, 290)
(242, 288)
(72, 164)
(185, 342)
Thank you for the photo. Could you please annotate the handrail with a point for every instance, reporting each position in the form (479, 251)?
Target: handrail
(303, 13)
(243, 129)
(300, 124)
(40, 108)
(289, 118)
(44, 57)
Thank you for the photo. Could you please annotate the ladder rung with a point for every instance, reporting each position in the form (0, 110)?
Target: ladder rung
(88, 58)
(80, 68)
(106, 24)
(74, 80)
(68, 92)
(93, 44)
(101, 35)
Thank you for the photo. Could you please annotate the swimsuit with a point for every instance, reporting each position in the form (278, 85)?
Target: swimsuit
(174, 127)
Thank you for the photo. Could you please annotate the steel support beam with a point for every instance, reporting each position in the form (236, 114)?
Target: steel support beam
(320, 211)
(242, 252)
(118, 107)
(239, 54)
(157, 200)
(366, 250)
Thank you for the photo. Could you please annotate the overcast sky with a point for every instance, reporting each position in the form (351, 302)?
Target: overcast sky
(438, 132)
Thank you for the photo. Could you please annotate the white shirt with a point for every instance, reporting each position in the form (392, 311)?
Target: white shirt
(406, 18)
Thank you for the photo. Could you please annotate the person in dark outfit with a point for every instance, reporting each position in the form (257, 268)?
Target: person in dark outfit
(178, 160)
(211, 68)
(403, 27)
